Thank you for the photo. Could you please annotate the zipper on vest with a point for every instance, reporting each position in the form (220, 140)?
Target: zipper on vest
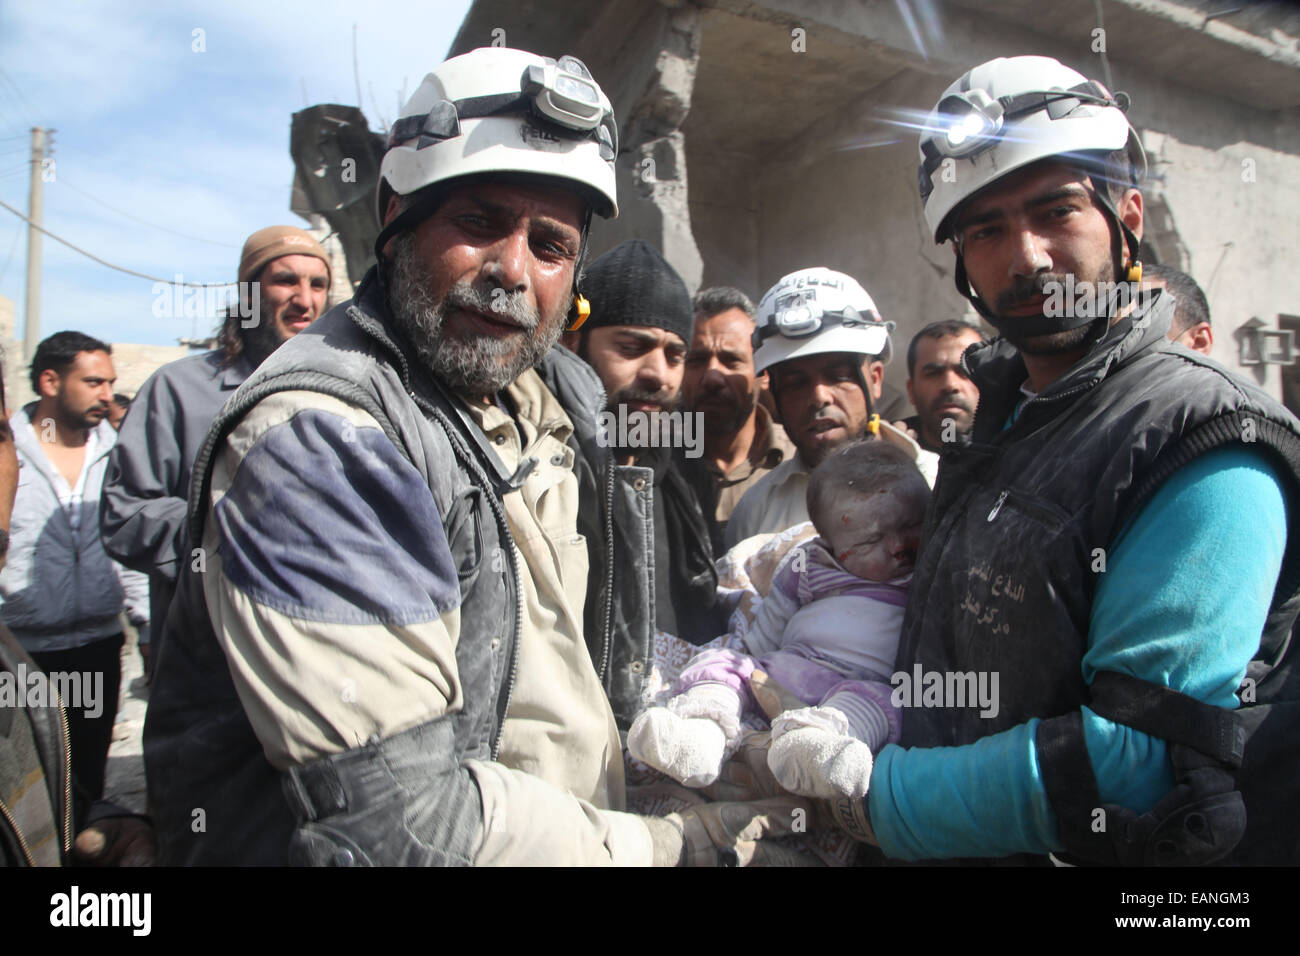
(608, 630)
(1068, 393)
(997, 505)
(514, 649)
(67, 778)
(505, 539)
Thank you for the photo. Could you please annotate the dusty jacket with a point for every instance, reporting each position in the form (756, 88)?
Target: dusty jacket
(567, 738)
(358, 515)
(60, 588)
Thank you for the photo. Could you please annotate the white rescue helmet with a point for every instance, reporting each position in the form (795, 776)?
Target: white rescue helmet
(1008, 113)
(817, 310)
(497, 110)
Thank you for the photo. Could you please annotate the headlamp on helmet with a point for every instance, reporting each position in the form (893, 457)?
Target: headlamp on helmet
(794, 316)
(817, 310)
(970, 122)
(560, 92)
(797, 315)
(1001, 117)
(500, 112)
(563, 91)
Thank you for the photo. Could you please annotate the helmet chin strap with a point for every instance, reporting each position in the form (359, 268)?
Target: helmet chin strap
(866, 392)
(873, 419)
(410, 217)
(1127, 268)
(1023, 326)
(580, 311)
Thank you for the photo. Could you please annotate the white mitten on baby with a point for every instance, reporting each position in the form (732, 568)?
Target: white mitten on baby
(813, 755)
(688, 749)
(691, 738)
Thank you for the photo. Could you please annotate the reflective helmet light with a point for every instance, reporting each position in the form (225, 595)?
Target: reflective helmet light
(565, 92)
(972, 122)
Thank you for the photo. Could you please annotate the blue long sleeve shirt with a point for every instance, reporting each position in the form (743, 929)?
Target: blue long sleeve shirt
(1183, 600)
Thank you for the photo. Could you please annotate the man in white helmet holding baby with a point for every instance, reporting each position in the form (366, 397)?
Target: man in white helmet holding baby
(1074, 678)
(377, 655)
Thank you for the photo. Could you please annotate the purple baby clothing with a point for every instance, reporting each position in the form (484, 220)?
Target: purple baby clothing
(820, 633)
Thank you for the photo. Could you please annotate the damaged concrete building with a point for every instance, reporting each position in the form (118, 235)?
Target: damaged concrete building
(761, 137)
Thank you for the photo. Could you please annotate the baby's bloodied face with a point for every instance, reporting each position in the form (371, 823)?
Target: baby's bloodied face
(876, 537)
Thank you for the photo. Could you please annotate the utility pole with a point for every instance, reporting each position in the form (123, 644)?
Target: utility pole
(35, 212)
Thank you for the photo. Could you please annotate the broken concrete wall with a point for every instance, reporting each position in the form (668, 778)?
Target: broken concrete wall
(756, 140)
(643, 54)
(1231, 185)
(839, 188)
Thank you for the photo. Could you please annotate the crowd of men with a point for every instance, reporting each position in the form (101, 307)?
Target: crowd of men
(408, 560)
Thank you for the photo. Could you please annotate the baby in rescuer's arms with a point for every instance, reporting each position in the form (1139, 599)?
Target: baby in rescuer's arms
(827, 632)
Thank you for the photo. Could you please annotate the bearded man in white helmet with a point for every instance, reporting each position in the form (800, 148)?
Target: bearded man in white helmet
(377, 654)
(1113, 552)
(824, 347)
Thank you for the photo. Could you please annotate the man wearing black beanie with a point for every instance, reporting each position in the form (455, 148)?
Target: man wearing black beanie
(635, 339)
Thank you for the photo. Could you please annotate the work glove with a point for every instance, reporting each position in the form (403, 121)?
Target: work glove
(732, 834)
(850, 815)
(747, 776)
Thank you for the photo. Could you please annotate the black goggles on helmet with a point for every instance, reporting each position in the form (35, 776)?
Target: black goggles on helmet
(971, 122)
(560, 96)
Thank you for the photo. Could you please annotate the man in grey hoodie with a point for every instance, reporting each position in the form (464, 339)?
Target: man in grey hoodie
(62, 594)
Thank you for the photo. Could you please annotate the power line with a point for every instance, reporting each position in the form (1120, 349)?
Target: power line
(22, 100)
(122, 212)
(102, 262)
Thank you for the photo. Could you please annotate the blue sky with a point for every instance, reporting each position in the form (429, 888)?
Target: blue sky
(196, 143)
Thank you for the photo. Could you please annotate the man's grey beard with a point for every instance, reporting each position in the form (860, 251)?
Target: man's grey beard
(475, 365)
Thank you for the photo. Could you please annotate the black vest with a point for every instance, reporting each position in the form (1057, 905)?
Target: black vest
(1018, 528)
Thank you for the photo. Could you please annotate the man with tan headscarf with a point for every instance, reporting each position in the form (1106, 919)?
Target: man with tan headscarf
(284, 278)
